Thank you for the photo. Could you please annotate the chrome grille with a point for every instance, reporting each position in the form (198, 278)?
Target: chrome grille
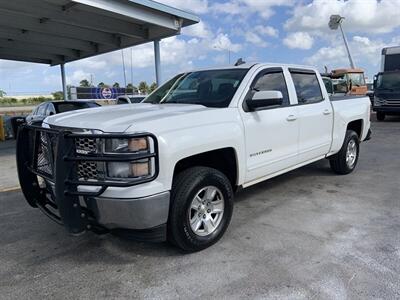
(86, 170)
(394, 102)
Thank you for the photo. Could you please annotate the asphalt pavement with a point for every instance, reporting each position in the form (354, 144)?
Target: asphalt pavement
(308, 234)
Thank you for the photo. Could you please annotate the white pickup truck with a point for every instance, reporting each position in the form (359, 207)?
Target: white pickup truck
(168, 168)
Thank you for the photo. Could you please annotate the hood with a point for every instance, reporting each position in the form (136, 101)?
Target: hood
(118, 118)
(387, 94)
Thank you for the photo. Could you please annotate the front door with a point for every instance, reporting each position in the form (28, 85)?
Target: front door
(272, 133)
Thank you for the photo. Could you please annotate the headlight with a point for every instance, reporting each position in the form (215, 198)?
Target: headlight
(377, 101)
(137, 168)
(127, 145)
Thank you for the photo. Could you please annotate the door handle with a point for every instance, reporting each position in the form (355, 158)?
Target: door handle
(326, 112)
(291, 118)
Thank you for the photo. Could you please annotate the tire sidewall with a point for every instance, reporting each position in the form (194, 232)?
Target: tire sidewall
(351, 135)
(183, 198)
(380, 116)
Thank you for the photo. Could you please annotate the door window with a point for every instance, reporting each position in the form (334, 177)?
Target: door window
(41, 110)
(272, 81)
(50, 110)
(307, 87)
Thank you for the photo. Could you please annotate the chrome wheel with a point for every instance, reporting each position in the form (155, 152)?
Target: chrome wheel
(351, 153)
(206, 211)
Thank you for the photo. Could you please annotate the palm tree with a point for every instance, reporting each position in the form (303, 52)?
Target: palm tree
(152, 87)
(143, 87)
(103, 85)
(84, 83)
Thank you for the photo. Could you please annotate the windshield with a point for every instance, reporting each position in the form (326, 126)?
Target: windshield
(136, 99)
(389, 81)
(357, 79)
(213, 88)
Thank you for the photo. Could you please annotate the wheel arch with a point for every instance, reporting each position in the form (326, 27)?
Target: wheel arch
(223, 159)
(357, 127)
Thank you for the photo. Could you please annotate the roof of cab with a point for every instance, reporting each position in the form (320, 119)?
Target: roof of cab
(255, 64)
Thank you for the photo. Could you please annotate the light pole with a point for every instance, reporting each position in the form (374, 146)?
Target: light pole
(224, 49)
(335, 22)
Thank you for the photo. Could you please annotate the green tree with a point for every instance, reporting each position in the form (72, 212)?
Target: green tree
(59, 95)
(143, 87)
(152, 87)
(116, 85)
(131, 88)
(103, 85)
(2, 93)
(84, 83)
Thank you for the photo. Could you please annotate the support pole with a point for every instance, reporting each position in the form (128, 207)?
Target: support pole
(64, 81)
(347, 47)
(157, 61)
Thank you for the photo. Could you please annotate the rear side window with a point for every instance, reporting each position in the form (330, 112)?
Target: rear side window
(307, 87)
(273, 82)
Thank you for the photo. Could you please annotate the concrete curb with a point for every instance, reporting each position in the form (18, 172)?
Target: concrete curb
(10, 189)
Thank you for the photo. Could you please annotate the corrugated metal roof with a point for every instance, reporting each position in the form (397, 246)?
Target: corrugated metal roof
(59, 31)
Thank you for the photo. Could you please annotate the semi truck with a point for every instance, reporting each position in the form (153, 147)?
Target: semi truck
(387, 84)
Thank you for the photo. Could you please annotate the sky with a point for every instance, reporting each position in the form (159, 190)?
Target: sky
(280, 31)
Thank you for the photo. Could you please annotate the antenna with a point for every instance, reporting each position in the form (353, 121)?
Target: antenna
(239, 62)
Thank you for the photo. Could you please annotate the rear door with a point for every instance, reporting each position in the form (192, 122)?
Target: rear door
(271, 134)
(315, 115)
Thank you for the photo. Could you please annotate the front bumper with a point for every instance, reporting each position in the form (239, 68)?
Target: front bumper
(137, 213)
(387, 109)
(61, 196)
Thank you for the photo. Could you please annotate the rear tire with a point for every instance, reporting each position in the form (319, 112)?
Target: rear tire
(201, 208)
(380, 116)
(345, 161)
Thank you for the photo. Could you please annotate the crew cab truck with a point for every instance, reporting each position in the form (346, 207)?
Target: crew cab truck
(168, 168)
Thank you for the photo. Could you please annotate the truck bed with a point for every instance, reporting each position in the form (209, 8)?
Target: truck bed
(346, 97)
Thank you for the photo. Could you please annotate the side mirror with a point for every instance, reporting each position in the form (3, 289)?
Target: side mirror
(264, 99)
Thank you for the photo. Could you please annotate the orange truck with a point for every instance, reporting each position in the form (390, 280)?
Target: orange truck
(351, 81)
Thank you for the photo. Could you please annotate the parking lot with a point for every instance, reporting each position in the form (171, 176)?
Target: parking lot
(308, 234)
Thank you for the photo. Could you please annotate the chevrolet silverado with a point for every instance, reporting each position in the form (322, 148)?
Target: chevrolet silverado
(168, 168)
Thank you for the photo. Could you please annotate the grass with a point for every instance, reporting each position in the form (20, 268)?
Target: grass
(8, 101)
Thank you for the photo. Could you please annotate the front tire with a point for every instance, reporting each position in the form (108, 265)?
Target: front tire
(345, 161)
(380, 116)
(201, 208)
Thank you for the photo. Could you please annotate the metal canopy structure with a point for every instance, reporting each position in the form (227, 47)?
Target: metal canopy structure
(55, 32)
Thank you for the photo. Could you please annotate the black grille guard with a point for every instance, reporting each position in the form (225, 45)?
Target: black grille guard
(64, 175)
